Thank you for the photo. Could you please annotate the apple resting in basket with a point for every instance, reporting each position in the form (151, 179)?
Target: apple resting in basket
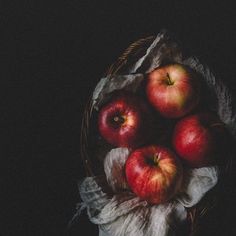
(154, 173)
(125, 121)
(173, 90)
(199, 138)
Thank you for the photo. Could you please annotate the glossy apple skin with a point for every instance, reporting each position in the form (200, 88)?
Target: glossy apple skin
(197, 139)
(173, 90)
(154, 173)
(125, 121)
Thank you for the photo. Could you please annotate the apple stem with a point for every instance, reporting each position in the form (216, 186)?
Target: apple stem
(156, 158)
(169, 82)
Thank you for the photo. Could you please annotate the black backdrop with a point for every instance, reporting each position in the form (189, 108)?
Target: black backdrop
(52, 55)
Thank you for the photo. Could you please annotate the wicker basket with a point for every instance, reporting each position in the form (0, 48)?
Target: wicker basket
(88, 142)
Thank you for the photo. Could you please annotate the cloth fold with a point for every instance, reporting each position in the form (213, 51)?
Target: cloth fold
(126, 214)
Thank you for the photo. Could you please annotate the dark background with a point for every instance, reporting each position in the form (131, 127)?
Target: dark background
(52, 55)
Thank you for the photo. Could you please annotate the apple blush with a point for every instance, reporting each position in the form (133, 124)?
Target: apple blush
(197, 139)
(125, 121)
(154, 173)
(173, 90)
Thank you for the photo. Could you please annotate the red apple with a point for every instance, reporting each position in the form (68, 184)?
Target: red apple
(197, 139)
(154, 173)
(173, 90)
(125, 121)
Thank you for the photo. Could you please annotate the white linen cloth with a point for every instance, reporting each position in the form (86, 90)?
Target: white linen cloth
(126, 214)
